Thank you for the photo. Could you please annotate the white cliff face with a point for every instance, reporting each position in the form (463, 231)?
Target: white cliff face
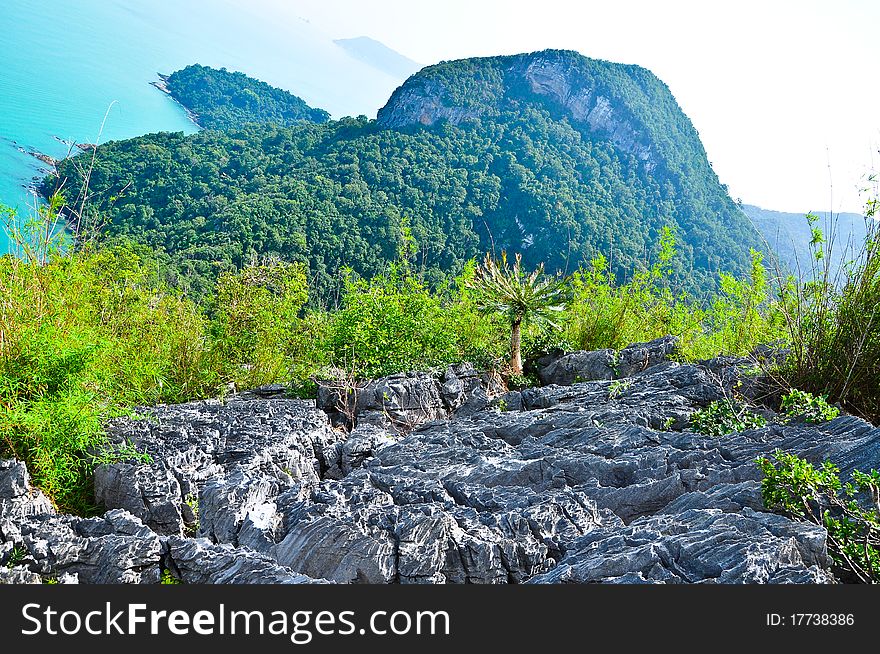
(421, 104)
(422, 100)
(602, 118)
(552, 79)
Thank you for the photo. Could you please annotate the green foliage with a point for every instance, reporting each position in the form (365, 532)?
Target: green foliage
(221, 99)
(167, 578)
(519, 296)
(833, 326)
(519, 382)
(618, 387)
(40, 235)
(604, 314)
(522, 175)
(192, 503)
(256, 323)
(808, 407)
(16, 556)
(84, 336)
(741, 313)
(392, 323)
(725, 417)
(850, 512)
(522, 298)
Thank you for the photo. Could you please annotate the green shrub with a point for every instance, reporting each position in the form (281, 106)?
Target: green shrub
(833, 324)
(808, 407)
(16, 556)
(255, 324)
(167, 578)
(849, 512)
(618, 387)
(741, 316)
(724, 417)
(84, 335)
(520, 382)
(604, 314)
(392, 323)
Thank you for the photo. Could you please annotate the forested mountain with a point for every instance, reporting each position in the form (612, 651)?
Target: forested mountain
(789, 236)
(551, 154)
(222, 99)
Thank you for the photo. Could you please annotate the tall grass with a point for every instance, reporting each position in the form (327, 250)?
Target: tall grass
(739, 316)
(833, 323)
(83, 336)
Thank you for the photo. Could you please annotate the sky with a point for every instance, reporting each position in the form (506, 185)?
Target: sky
(783, 93)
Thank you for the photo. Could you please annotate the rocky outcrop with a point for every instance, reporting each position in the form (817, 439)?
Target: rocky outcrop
(231, 446)
(697, 545)
(401, 402)
(567, 368)
(597, 481)
(556, 77)
(198, 561)
(37, 544)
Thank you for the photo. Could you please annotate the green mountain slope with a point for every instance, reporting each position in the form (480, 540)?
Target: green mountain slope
(221, 99)
(552, 154)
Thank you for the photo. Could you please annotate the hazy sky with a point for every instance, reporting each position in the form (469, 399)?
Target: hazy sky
(783, 93)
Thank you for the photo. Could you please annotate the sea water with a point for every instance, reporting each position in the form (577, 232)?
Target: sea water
(66, 65)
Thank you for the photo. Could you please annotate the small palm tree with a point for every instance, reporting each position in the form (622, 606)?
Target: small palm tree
(522, 297)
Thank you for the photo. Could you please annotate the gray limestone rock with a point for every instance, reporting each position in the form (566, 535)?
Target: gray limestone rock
(567, 369)
(198, 561)
(597, 481)
(280, 441)
(698, 546)
(400, 403)
(19, 575)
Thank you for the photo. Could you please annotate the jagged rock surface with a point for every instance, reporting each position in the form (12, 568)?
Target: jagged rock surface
(275, 441)
(597, 481)
(37, 544)
(401, 402)
(199, 561)
(567, 368)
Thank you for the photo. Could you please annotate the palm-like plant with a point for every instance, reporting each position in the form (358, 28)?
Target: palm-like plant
(520, 296)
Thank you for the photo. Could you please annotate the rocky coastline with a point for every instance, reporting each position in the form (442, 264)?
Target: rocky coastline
(444, 478)
(162, 85)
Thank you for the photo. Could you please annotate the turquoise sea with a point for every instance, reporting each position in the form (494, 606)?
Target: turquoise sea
(64, 64)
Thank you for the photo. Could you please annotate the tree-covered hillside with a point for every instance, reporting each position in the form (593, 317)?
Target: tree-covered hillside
(551, 154)
(221, 99)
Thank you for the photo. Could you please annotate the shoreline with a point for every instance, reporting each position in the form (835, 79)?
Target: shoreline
(49, 160)
(83, 147)
(45, 158)
(162, 85)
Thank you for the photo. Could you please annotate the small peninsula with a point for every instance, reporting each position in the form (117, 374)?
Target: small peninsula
(222, 99)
